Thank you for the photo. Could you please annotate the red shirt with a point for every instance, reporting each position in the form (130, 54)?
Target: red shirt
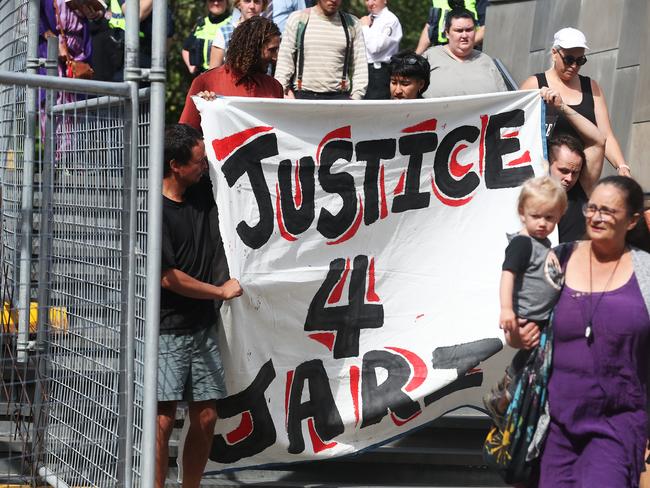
(223, 81)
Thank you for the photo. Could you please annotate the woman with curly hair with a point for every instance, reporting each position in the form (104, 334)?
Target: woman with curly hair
(253, 47)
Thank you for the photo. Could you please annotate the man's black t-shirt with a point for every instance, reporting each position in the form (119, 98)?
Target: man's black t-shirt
(191, 243)
(572, 225)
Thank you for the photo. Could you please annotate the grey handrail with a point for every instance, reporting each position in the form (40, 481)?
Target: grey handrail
(67, 84)
(505, 74)
(104, 101)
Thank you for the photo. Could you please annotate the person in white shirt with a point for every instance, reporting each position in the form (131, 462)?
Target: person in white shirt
(382, 32)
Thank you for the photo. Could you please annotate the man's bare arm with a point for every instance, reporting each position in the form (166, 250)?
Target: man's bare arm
(424, 42)
(173, 279)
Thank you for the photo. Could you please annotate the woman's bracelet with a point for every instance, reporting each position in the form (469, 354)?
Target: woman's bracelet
(623, 166)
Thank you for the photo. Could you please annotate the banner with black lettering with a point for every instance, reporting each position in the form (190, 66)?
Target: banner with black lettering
(368, 238)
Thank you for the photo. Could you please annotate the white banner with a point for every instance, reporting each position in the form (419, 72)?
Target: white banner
(368, 238)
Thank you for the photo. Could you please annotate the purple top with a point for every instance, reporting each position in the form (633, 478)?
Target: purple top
(79, 43)
(598, 387)
(75, 28)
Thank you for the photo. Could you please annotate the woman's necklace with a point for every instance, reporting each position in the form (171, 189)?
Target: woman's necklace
(589, 324)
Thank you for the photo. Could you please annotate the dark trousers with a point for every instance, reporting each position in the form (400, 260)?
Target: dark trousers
(378, 82)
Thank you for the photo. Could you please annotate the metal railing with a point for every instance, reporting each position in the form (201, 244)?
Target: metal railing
(80, 212)
(505, 74)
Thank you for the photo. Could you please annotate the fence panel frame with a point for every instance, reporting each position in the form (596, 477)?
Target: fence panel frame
(140, 295)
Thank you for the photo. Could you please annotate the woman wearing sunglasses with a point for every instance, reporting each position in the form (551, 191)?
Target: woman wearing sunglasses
(581, 92)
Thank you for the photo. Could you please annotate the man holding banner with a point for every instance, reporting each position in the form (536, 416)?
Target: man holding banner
(253, 47)
(189, 363)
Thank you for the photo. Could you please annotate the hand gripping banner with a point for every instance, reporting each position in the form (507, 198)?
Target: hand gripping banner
(368, 239)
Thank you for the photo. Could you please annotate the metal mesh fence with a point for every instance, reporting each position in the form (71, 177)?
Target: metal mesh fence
(71, 406)
(66, 409)
(15, 385)
(13, 35)
(82, 362)
(12, 120)
(13, 56)
(87, 293)
(16, 394)
(140, 282)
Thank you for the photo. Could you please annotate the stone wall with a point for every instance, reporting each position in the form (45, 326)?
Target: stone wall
(520, 33)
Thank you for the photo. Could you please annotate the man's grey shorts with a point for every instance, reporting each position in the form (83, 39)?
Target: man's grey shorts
(189, 367)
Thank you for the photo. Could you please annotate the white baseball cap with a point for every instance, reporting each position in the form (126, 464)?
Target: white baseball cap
(569, 37)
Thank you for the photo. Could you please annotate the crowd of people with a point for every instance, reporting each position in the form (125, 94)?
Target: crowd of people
(326, 53)
(597, 297)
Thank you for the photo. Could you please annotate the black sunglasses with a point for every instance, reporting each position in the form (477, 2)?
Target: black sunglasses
(410, 60)
(569, 59)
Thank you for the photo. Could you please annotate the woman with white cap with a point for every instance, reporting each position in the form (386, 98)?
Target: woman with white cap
(581, 93)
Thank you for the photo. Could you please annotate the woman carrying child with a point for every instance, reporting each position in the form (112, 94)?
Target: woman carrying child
(597, 389)
(601, 334)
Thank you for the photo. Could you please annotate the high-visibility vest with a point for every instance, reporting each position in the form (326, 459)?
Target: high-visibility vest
(440, 9)
(117, 20)
(205, 33)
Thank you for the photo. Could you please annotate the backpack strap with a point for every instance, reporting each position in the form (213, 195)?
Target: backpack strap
(300, 48)
(348, 46)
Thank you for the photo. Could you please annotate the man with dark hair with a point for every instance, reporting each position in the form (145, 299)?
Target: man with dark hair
(253, 47)
(575, 166)
(194, 282)
(567, 163)
(323, 54)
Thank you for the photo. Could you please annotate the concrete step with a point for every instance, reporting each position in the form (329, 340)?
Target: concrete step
(447, 453)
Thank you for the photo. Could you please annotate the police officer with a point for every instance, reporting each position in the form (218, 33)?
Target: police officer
(434, 30)
(108, 35)
(196, 48)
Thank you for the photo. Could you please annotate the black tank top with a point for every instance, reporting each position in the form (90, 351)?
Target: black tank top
(584, 108)
(572, 225)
